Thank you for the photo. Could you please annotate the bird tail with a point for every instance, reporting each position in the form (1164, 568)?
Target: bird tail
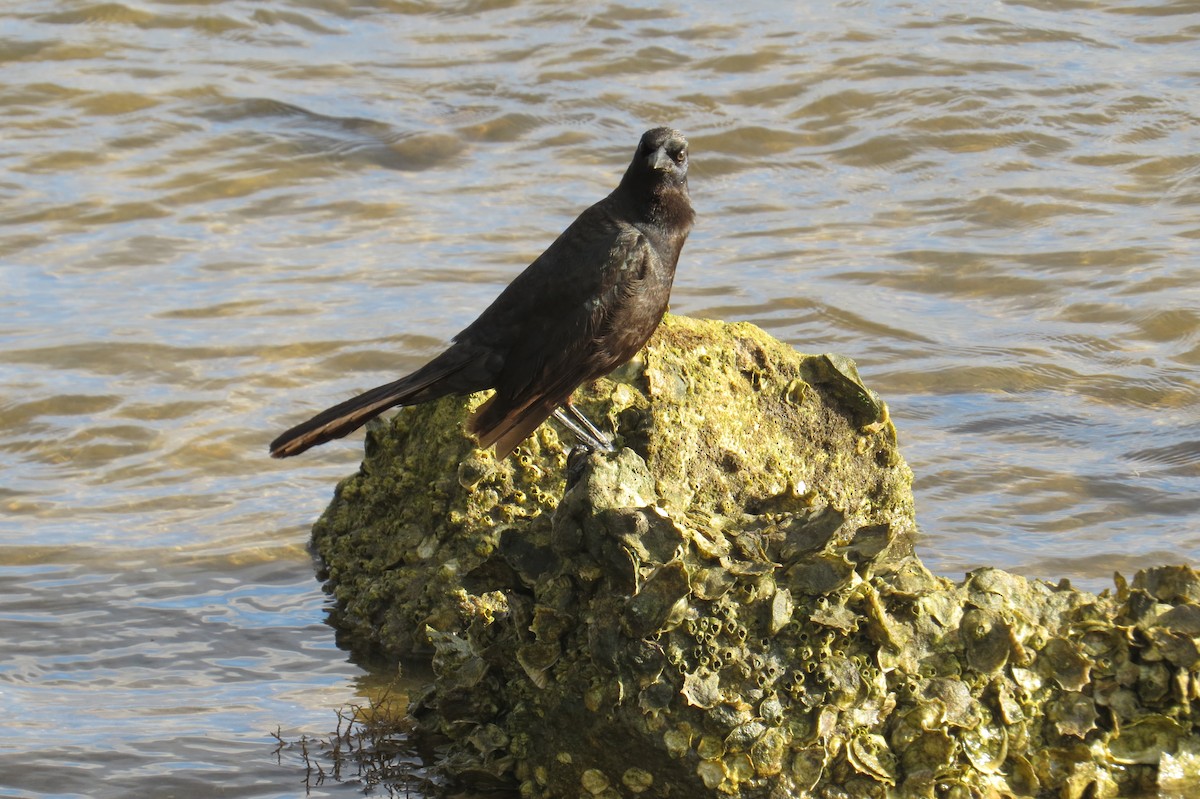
(346, 417)
(508, 431)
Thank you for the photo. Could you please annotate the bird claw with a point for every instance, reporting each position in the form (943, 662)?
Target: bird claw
(577, 460)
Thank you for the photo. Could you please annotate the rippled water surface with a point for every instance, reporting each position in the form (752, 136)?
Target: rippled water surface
(219, 217)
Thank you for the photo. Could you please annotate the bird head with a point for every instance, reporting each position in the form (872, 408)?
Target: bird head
(655, 187)
(662, 156)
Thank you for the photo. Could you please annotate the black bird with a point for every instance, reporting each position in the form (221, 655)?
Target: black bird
(584, 307)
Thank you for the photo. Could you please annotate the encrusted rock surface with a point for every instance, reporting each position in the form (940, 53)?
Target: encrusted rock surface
(730, 605)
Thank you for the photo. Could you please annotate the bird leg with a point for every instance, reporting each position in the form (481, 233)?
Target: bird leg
(573, 419)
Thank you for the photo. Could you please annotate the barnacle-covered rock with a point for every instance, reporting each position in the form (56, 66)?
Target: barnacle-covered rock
(730, 605)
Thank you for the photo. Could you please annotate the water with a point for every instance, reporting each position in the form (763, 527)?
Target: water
(219, 217)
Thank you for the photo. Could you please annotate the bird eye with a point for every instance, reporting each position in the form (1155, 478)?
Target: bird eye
(680, 156)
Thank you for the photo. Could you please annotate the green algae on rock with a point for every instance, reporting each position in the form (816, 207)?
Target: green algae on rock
(722, 413)
(730, 605)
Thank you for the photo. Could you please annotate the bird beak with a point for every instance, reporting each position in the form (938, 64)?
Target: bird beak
(662, 161)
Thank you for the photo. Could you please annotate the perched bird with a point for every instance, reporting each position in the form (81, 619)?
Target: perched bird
(584, 307)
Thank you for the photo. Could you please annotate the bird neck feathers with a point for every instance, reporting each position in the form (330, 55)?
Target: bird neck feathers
(662, 204)
(671, 208)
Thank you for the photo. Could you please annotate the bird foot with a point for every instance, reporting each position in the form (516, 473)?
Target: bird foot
(577, 460)
(588, 435)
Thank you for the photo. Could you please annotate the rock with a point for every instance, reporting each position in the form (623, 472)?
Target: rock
(727, 421)
(730, 605)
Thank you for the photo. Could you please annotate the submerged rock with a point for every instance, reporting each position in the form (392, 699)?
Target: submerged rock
(730, 604)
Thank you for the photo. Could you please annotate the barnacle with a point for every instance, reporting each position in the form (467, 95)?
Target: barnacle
(1146, 739)
(637, 780)
(702, 688)
(771, 710)
(1073, 714)
(678, 740)
(1063, 661)
(870, 755)
(986, 639)
(711, 773)
(840, 374)
(808, 766)
(593, 781)
(710, 747)
(986, 746)
(769, 752)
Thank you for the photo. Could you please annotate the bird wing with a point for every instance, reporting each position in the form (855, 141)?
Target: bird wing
(562, 347)
(569, 272)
